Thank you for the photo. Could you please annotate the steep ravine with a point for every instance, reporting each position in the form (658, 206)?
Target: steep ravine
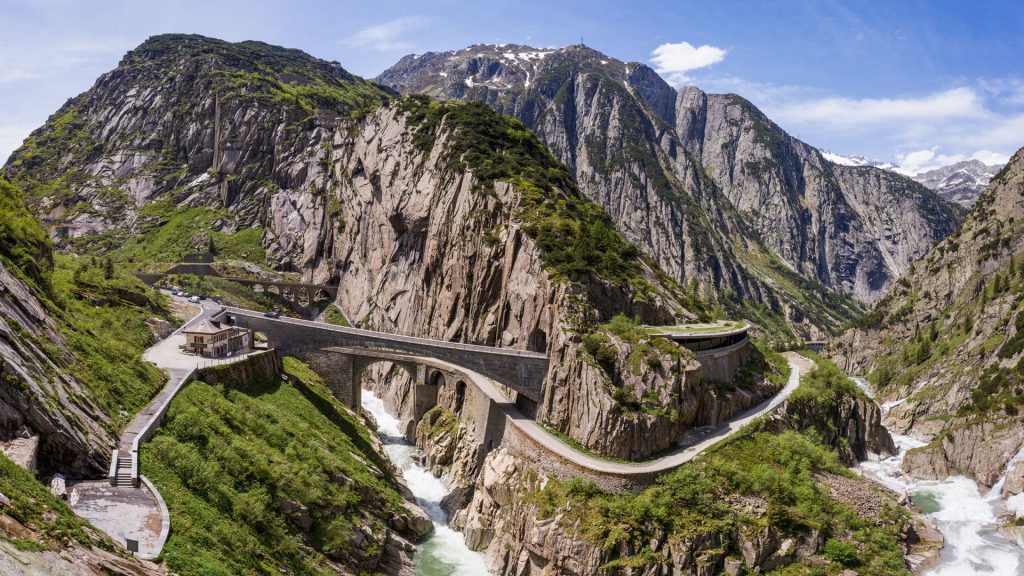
(444, 552)
(965, 516)
(499, 506)
(440, 220)
(944, 346)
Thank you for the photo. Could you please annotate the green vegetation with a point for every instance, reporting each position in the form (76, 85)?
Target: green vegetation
(824, 386)
(271, 74)
(576, 236)
(644, 348)
(168, 231)
(103, 319)
(764, 363)
(39, 166)
(998, 388)
(826, 308)
(99, 309)
(985, 320)
(234, 466)
(755, 481)
(24, 245)
(623, 347)
(334, 315)
(643, 353)
(47, 516)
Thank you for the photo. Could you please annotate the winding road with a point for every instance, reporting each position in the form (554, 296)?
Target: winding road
(528, 426)
(166, 355)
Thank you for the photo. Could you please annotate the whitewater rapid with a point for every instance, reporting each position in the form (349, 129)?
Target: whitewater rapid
(967, 519)
(444, 553)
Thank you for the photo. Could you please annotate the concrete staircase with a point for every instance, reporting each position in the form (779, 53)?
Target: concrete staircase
(123, 475)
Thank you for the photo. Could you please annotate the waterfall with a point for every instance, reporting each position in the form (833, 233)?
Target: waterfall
(445, 552)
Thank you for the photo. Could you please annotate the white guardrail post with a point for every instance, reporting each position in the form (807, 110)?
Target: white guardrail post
(113, 468)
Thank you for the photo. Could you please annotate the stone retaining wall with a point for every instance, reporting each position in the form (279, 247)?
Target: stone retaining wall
(241, 374)
(721, 364)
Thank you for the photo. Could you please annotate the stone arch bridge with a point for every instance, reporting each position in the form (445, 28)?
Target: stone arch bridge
(342, 354)
(304, 298)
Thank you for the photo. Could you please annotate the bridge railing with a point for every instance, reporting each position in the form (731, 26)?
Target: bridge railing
(386, 336)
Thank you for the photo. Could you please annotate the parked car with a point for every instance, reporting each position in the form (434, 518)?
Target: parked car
(272, 314)
(194, 299)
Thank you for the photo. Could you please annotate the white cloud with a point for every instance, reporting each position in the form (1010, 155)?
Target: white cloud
(990, 157)
(389, 36)
(930, 159)
(960, 102)
(675, 60)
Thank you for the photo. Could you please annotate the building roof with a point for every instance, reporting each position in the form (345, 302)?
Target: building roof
(207, 326)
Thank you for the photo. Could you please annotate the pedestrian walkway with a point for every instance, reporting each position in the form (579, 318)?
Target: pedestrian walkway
(126, 506)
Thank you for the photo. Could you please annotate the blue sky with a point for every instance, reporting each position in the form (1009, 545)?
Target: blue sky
(908, 81)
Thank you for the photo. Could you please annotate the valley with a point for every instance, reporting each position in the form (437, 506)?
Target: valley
(499, 310)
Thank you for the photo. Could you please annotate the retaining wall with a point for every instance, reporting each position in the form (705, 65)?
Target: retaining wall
(240, 374)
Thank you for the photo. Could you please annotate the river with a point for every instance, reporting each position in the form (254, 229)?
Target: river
(444, 553)
(967, 519)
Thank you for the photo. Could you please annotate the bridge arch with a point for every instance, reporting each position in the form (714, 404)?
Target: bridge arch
(522, 371)
(460, 396)
(362, 363)
(436, 378)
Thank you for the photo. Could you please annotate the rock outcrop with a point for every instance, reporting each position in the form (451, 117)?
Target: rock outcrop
(705, 183)
(40, 396)
(424, 230)
(852, 425)
(944, 344)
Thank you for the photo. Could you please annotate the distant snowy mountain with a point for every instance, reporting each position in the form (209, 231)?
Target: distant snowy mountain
(961, 182)
(862, 161)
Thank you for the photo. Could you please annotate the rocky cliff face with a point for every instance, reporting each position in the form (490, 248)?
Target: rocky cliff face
(854, 228)
(946, 342)
(853, 425)
(701, 182)
(40, 396)
(505, 508)
(438, 220)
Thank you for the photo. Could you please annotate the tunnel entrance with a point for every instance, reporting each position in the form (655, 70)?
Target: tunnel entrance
(538, 341)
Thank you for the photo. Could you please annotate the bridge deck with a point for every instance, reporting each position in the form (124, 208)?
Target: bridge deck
(522, 370)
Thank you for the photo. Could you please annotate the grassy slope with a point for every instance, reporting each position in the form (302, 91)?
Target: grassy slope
(577, 238)
(104, 322)
(47, 516)
(225, 459)
(101, 313)
(712, 495)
